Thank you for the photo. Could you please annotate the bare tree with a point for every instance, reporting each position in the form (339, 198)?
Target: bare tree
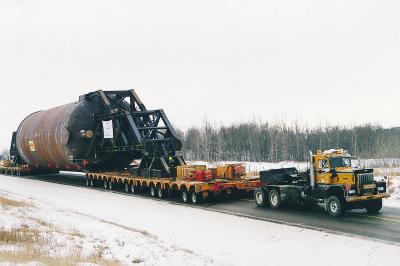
(5, 154)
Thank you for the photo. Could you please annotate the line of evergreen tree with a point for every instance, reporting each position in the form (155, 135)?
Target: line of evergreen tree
(272, 142)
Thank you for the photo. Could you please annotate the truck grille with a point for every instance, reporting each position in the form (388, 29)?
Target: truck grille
(365, 178)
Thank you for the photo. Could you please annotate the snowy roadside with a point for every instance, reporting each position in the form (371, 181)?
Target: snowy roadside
(394, 188)
(133, 230)
(32, 230)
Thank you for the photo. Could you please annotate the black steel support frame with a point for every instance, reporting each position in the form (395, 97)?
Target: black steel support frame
(136, 129)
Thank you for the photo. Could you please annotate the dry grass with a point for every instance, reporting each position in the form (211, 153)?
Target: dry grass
(76, 233)
(23, 235)
(12, 203)
(27, 256)
(32, 247)
(43, 223)
(37, 244)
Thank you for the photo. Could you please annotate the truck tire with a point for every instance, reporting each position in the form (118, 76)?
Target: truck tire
(374, 206)
(185, 196)
(126, 187)
(335, 206)
(160, 192)
(260, 197)
(274, 199)
(196, 198)
(152, 191)
(110, 185)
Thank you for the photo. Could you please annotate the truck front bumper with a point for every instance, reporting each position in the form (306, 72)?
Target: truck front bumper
(369, 197)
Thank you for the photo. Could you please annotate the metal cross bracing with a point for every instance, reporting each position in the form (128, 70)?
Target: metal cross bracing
(139, 133)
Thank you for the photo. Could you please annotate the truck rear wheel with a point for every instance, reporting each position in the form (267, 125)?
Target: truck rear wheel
(274, 199)
(260, 197)
(334, 206)
(374, 206)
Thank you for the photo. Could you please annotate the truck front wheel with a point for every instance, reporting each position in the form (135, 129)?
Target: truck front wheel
(335, 206)
(274, 199)
(374, 206)
(260, 197)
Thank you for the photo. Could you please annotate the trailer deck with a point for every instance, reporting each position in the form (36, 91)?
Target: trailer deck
(193, 191)
(189, 191)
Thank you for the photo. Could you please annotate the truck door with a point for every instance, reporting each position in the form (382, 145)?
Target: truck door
(323, 172)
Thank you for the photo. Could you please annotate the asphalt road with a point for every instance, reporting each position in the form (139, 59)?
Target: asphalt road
(384, 226)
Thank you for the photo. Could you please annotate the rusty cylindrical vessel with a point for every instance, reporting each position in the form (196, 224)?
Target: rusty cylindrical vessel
(51, 139)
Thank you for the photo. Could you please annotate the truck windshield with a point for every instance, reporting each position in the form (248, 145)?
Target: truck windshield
(340, 162)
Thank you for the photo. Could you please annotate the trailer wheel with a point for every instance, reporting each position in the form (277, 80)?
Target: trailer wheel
(374, 206)
(335, 206)
(185, 196)
(196, 198)
(260, 198)
(152, 191)
(133, 189)
(126, 187)
(160, 192)
(110, 185)
(274, 199)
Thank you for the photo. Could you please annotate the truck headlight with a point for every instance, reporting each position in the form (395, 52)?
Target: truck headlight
(381, 188)
(352, 191)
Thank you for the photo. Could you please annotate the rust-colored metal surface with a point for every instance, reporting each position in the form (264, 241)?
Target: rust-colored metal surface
(43, 136)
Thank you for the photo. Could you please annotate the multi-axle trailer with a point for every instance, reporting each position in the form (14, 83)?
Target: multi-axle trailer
(189, 191)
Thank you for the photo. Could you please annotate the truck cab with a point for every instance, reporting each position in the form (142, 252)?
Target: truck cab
(333, 167)
(331, 181)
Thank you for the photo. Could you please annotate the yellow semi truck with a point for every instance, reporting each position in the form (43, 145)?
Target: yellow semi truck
(331, 181)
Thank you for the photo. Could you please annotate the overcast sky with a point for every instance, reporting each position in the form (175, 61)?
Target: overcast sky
(315, 61)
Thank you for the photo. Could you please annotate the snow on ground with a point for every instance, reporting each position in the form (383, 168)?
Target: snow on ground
(69, 233)
(159, 233)
(394, 200)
